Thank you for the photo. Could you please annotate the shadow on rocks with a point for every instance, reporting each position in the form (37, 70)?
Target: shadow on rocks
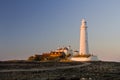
(63, 78)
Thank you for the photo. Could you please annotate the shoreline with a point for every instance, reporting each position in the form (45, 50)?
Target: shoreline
(60, 70)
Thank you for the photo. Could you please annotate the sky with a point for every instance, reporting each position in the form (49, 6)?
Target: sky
(29, 27)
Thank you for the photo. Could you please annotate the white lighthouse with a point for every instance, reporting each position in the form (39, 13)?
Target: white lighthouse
(83, 39)
(84, 54)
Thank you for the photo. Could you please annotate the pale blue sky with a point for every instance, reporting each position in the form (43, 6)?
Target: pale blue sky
(30, 26)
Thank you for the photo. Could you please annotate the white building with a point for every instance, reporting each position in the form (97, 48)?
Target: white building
(84, 54)
(66, 50)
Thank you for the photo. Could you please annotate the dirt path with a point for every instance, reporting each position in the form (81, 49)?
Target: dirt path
(46, 69)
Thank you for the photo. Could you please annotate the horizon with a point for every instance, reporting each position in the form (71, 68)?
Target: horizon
(28, 27)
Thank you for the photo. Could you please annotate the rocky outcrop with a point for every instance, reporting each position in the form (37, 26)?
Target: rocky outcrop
(93, 71)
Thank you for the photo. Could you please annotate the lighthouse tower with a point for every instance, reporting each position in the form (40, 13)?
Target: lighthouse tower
(84, 54)
(83, 39)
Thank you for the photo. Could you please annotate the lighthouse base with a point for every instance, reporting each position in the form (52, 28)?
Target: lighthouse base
(83, 58)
